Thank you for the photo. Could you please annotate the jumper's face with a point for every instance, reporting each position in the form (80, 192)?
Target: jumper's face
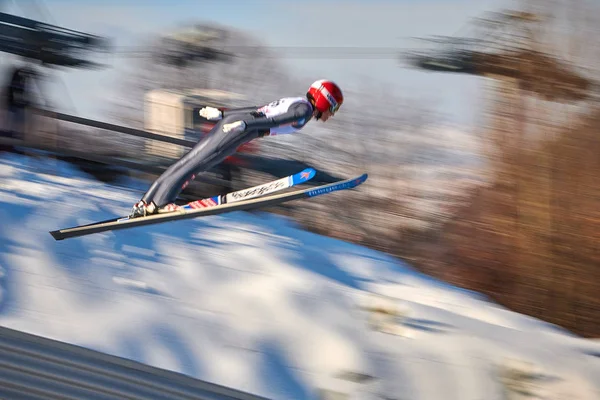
(326, 115)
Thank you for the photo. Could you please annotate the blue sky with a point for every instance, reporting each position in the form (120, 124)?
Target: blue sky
(374, 23)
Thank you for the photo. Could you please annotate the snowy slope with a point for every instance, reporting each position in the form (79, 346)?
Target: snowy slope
(253, 302)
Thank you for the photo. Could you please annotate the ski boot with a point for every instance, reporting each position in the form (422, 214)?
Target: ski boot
(141, 209)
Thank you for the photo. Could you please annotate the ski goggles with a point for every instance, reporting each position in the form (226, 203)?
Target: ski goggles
(334, 108)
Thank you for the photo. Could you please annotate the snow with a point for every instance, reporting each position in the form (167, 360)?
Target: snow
(253, 302)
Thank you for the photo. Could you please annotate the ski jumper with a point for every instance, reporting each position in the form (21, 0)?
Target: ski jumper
(283, 116)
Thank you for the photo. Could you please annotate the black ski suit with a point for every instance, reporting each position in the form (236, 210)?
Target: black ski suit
(217, 145)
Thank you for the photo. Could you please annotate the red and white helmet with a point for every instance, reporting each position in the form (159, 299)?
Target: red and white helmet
(326, 95)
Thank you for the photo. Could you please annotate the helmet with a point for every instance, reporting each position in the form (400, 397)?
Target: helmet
(325, 95)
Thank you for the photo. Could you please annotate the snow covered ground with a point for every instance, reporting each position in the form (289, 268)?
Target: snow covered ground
(253, 302)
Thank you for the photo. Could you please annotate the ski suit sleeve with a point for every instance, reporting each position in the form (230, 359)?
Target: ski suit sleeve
(298, 114)
(243, 110)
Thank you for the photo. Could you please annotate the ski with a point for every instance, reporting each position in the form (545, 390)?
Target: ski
(243, 205)
(248, 193)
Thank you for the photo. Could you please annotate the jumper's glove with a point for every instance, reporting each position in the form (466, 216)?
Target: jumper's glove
(235, 127)
(211, 113)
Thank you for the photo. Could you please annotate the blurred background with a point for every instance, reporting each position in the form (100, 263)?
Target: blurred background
(477, 121)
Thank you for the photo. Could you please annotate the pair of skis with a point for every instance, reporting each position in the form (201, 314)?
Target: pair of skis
(241, 200)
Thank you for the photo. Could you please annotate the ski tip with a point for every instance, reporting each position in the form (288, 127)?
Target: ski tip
(304, 176)
(309, 173)
(359, 180)
(362, 178)
(341, 185)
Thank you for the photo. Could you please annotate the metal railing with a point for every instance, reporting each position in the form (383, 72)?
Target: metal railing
(34, 367)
